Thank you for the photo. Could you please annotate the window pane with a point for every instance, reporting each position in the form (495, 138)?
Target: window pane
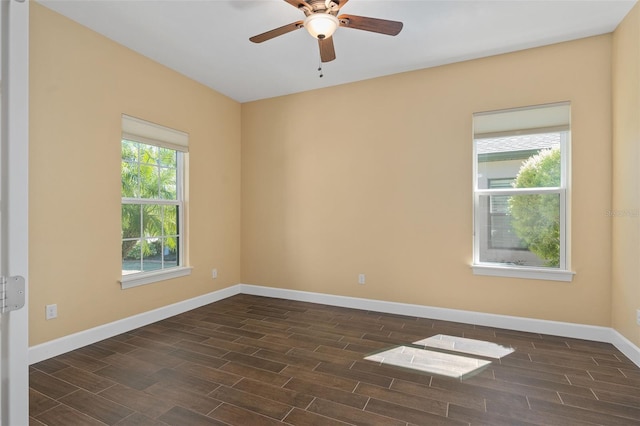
(152, 254)
(167, 182)
(131, 256)
(148, 154)
(131, 225)
(152, 220)
(167, 157)
(129, 176)
(170, 253)
(527, 235)
(170, 221)
(148, 181)
(501, 183)
(499, 204)
(533, 159)
(129, 151)
(501, 233)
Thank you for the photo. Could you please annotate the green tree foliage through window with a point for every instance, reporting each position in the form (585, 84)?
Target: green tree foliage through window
(536, 217)
(149, 207)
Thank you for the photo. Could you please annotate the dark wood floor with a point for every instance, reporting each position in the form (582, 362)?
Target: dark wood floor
(251, 360)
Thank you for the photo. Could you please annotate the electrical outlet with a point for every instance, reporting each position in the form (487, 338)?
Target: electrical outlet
(214, 273)
(361, 279)
(638, 316)
(51, 311)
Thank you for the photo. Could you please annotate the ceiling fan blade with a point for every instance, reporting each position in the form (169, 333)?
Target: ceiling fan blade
(375, 25)
(327, 52)
(300, 4)
(276, 32)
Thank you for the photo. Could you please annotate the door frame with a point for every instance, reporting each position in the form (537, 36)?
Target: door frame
(14, 367)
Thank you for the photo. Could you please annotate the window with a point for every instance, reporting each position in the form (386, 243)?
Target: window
(521, 159)
(152, 176)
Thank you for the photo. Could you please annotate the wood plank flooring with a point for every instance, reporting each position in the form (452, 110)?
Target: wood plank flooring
(250, 360)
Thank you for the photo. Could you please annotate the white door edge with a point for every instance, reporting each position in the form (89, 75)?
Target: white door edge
(14, 368)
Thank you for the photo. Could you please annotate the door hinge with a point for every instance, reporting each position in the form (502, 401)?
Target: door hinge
(12, 293)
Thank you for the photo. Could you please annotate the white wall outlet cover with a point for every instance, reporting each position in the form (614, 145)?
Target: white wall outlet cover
(51, 311)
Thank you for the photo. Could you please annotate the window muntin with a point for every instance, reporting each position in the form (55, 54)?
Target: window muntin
(152, 207)
(520, 215)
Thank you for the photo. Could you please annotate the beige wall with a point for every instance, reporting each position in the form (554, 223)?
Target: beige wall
(80, 84)
(626, 178)
(375, 177)
(372, 177)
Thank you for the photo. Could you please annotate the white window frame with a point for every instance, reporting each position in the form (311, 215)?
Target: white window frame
(147, 133)
(563, 272)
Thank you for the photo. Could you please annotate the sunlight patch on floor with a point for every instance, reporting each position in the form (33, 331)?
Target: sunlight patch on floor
(449, 356)
(464, 345)
(441, 363)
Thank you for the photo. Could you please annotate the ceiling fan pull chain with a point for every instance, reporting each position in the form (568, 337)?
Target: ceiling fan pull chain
(320, 69)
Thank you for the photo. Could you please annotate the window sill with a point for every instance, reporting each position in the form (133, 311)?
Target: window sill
(523, 272)
(142, 278)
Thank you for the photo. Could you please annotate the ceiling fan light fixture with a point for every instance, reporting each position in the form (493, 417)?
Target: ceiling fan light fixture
(321, 25)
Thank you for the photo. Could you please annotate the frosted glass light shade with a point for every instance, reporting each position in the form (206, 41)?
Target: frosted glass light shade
(321, 25)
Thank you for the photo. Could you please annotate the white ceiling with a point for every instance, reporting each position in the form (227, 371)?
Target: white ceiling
(208, 40)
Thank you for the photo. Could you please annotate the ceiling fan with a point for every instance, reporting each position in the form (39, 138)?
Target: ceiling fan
(322, 21)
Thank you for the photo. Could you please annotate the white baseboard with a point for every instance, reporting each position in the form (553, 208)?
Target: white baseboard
(83, 338)
(556, 328)
(625, 346)
(578, 331)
